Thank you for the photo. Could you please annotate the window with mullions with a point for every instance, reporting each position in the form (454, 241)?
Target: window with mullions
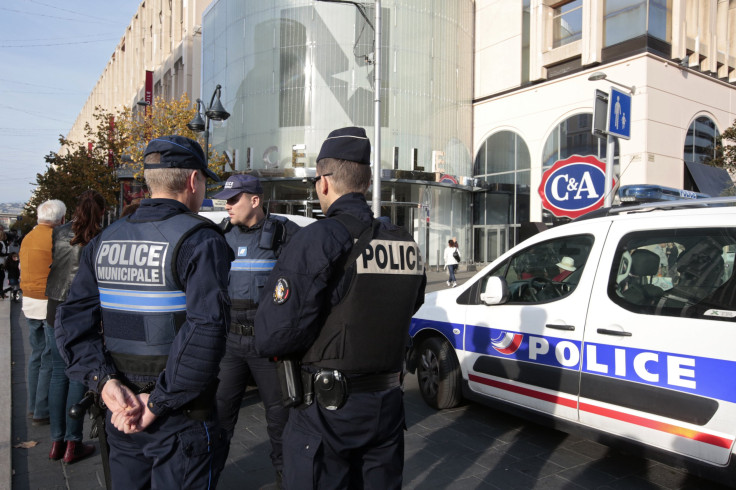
(701, 140)
(503, 162)
(684, 273)
(567, 23)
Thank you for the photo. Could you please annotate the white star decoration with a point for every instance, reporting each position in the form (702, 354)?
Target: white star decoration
(356, 76)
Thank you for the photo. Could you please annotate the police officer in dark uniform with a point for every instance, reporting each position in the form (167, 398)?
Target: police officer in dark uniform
(342, 298)
(256, 241)
(145, 326)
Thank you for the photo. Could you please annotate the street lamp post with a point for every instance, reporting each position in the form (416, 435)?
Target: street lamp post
(610, 142)
(215, 112)
(376, 201)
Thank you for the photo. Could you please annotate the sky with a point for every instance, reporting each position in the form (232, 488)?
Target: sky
(51, 56)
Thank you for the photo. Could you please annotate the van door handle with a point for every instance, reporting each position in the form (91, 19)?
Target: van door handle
(618, 333)
(569, 328)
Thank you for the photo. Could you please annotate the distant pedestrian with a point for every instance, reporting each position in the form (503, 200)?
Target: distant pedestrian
(12, 267)
(68, 240)
(452, 259)
(35, 259)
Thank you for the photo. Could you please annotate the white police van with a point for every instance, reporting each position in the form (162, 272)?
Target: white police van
(624, 322)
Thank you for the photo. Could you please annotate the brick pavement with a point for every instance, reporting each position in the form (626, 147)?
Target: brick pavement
(468, 447)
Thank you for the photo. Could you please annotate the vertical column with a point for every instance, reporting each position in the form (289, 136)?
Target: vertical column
(592, 32)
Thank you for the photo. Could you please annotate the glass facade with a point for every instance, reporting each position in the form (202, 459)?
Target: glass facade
(627, 19)
(293, 70)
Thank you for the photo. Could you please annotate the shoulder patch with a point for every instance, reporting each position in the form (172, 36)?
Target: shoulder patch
(282, 291)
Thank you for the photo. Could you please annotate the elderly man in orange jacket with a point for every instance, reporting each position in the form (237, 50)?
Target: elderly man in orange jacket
(35, 260)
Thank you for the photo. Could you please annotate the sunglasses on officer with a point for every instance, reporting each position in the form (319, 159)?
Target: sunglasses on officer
(314, 180)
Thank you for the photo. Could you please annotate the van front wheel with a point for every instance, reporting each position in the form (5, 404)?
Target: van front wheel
(438, 374)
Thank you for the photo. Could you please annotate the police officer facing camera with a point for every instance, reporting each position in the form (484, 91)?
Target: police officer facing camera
(342, 298)
(256, 241)
(156, 282)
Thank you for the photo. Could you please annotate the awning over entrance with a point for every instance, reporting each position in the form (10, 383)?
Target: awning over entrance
(709, 180)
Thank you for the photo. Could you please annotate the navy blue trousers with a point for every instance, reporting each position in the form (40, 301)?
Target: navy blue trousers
(240, 362)
(174, 452)
(359, 446)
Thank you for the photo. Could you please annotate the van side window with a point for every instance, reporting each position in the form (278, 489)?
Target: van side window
(545, 271)
(686, 273)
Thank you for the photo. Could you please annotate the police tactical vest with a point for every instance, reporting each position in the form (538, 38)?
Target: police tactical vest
(253, 262)
(368, 330)
(143, 304)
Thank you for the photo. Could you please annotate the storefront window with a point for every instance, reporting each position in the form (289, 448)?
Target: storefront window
(502, 169)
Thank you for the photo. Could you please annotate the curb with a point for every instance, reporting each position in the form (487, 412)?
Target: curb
(6, 398)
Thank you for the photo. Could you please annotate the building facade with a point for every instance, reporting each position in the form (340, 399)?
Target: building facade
(293, 70)
(479, 97)
(533, 100)
(164, 38)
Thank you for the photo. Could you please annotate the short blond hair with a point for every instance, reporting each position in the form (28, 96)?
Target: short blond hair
(165, 180)
(346, 176)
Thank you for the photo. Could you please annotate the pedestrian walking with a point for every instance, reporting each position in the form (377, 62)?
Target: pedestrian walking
(157, 281)
(68, 240)
(451, 257)
(256, 241)
(35, 259)
(339, 300)
(12, 266)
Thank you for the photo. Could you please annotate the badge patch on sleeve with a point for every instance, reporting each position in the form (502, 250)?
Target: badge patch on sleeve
(281, 292)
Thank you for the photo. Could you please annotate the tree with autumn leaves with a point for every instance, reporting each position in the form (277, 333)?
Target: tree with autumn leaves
(162, 118)
(117, 141)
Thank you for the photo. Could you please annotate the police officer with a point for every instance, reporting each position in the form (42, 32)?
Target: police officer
(342, 298)
(256, 241)
(156, 282)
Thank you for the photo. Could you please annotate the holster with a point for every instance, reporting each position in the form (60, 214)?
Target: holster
(290, 378)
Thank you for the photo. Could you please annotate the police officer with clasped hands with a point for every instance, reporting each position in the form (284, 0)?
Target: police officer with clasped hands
(256, 241)
(338, 304)
(145, 325)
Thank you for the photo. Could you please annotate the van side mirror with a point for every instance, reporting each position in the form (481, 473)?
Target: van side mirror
(496, 291)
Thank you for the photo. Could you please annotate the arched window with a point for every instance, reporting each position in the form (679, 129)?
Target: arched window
(700, 141)
(574, 136)
(502, 168)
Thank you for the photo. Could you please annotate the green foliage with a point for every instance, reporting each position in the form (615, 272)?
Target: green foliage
(77, 167)
(116, 140)
(725, 150)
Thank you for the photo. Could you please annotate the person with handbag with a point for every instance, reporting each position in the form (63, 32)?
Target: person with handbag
(452, 259)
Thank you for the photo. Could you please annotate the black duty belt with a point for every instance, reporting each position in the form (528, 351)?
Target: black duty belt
(240, 329)
(367, 383)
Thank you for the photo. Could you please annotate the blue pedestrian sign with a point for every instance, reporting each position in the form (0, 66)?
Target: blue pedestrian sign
(619, 114)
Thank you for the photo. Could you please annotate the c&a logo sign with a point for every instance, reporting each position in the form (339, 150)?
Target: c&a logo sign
(574, 186)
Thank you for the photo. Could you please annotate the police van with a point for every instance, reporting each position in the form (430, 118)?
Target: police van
(624, 323)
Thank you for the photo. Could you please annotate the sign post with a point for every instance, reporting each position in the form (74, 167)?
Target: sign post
(618, 126)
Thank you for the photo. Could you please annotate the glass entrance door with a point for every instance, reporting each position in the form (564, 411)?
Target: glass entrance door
(489, 242)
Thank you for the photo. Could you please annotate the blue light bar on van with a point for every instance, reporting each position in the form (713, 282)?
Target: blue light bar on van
(635, 194)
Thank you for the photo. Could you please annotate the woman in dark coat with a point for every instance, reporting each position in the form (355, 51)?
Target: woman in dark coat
(68, 241)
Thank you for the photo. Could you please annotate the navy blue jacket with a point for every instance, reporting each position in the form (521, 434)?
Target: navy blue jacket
(307, 267)
(203, 263)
